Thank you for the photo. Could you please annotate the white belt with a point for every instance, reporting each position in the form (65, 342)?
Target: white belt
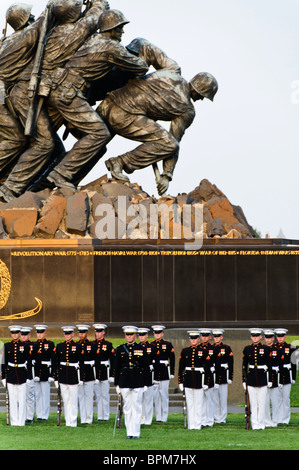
(46, 363)
(72, 364)
(89, 363)
(105, 363)
(196, 369)
(11, 364)
(224, 365)
(258, 367)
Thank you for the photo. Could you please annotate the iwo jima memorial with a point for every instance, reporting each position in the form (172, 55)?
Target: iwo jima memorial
(107, 251)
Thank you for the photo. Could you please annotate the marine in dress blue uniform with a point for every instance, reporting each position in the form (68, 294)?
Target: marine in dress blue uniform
(105, 359)
(131, 369)
(257, 374)
(68, 371)
(16, 371)
(43, 358)
(164, 368)
(224, 369)
(194, 369)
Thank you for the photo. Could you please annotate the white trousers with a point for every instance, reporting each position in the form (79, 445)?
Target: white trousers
(17, 404)
(284, 413)
(69, 395)
(42, 399)
(132, 409)
(258, 399)
(208, 407)
(30, 400)
(148, 406)
(102, 398)
(161, 400)
(85, 400)
(194, 402)
(220, 403)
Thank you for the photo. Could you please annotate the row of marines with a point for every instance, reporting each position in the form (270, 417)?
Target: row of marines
(141, 372)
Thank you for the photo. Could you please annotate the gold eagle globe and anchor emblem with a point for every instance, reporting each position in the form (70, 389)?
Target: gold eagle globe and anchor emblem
(5, 288)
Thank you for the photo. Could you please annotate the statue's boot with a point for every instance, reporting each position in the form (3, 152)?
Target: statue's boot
(115, 166)
(60, 181)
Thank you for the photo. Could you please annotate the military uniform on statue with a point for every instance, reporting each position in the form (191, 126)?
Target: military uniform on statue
(131, 369)
(287, 375)
(25, 338)
(208, 403)
(148, 395)
(43, 355)
(224, 367)
(105, 359)
(164, 364)
(194, 368)
(257, 373)
(85, 391)
(68, 369)
(16, 371)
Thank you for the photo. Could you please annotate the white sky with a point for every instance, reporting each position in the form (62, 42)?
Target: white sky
(247, 141)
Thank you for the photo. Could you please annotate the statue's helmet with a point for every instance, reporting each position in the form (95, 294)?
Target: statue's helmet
(135, 45)
(205, 84)
(18, 14)
(111, 19)
(67, 11)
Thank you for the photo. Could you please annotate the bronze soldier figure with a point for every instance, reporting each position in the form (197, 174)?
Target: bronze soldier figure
(133, 111)
(69, 33)
(95, 59)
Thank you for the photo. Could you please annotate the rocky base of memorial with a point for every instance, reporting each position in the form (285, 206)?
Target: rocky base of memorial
(63, 213)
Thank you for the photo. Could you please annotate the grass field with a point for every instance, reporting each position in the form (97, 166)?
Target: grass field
(170, 436)
(158, 436)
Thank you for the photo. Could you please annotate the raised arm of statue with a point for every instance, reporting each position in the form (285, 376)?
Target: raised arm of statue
(153, 55)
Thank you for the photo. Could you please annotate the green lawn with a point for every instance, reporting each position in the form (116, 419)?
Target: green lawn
(158, 436)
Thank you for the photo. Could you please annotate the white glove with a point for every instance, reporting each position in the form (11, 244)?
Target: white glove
(216, 386)
(269, 385)
(80, 383)
(280, 386)
(117, 389)
(96, 381)
(244, 385)
(28, 381)
(145, 388)
(172, 377)
(229, 381)
(205, 387)
(181, 387)
(36, 379)
(56, 383)
(50, 379)
(4, 382)
(111, 380)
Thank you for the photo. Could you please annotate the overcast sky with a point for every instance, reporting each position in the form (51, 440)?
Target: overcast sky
(247, 141)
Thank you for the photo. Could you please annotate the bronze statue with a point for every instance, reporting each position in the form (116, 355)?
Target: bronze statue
(54, 69)
(98, 55)
(68, 34)
(133, 112)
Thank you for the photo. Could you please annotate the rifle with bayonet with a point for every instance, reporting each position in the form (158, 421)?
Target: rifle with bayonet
(7, 404)
(34, 108)
(247, 409)
(184, 408)
(58, 405)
